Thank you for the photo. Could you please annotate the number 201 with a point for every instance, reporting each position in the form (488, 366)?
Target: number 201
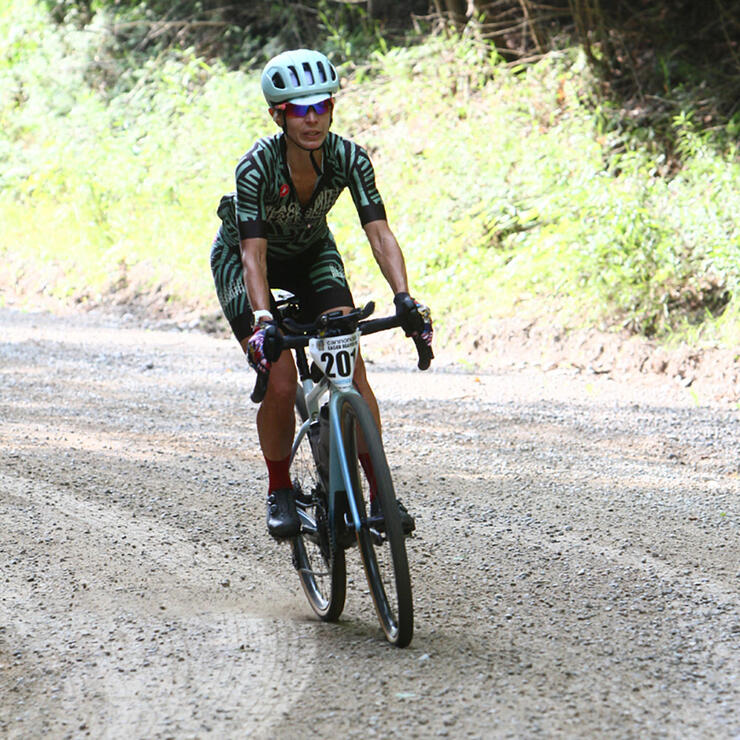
(343, 361)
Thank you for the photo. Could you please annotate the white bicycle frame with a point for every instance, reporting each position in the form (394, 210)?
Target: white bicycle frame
(336, 357)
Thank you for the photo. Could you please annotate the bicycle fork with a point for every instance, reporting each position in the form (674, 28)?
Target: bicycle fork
(340, 476)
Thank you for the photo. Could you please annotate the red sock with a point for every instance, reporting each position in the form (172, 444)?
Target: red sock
(279, 472)
(367, 466)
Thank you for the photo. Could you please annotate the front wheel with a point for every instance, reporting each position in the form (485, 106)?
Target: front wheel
(381, 540)
(321, 566)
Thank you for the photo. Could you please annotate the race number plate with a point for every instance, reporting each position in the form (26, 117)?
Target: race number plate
(336, 356)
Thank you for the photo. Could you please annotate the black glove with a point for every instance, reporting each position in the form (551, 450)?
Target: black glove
(416, 319)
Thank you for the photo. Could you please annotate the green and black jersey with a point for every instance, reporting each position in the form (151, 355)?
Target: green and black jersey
(301, 254)
(266, 204)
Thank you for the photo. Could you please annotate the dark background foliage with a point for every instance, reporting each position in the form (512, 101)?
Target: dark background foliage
(655, 59)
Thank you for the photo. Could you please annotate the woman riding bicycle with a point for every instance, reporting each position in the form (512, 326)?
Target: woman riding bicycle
(274, 234)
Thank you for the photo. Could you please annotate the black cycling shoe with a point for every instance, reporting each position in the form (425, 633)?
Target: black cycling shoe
(282, 517)
(408, 523)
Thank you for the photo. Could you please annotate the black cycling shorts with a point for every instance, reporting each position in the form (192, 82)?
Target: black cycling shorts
(315, 276)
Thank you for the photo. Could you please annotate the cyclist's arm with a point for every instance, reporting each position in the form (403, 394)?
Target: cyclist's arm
(387, 254)
(254, 267)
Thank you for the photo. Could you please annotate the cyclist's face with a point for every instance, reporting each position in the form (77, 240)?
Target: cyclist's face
(308, 131)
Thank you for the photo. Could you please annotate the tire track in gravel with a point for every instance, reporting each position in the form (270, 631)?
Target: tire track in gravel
(204, 652)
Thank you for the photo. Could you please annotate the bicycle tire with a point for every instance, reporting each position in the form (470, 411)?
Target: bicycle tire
(381, 543)
(320, 564)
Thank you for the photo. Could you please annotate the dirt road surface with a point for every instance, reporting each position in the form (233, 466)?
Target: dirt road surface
(576, 567)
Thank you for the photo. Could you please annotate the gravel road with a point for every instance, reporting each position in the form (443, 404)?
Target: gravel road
(576, 566)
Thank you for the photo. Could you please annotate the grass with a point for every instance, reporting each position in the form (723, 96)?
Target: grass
(505, 187)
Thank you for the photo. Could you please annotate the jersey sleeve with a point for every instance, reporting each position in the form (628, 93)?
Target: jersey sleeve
(361, 183)
(250, 184)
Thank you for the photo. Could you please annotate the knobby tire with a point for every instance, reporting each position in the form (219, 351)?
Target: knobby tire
(382, 545)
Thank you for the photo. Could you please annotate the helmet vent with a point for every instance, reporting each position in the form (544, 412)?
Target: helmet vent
(298, 74)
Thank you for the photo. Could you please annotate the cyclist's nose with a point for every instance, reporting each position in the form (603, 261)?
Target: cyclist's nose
(311, 116)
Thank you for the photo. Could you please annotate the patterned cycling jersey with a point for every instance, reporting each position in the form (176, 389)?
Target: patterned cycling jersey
(267, 206)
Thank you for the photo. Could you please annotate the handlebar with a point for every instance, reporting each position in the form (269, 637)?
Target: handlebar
(302, 333)
(423, 350)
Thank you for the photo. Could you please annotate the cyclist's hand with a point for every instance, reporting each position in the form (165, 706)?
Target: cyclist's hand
(416, 318)
(264, 346)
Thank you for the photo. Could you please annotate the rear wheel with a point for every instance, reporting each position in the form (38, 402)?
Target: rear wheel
(321, 566)
(381, 540)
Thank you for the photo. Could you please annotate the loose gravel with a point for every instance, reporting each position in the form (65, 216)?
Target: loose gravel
(576, 567)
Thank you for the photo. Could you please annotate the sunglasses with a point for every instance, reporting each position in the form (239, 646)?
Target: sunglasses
(301, 111)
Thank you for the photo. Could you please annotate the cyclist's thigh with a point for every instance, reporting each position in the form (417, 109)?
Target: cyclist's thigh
(226, 266)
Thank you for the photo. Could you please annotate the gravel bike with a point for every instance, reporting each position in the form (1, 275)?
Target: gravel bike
(333, 497)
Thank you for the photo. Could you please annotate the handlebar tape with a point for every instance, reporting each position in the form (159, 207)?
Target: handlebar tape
(260, 388)
(426, 355)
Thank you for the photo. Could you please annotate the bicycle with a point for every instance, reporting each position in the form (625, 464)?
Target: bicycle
(335, 507)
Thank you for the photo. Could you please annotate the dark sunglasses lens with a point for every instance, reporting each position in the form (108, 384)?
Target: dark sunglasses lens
(300, 111)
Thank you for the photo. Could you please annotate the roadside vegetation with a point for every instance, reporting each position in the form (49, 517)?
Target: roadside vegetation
(512, 188)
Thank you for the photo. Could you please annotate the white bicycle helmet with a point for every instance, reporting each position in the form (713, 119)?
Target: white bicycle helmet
(299, 76)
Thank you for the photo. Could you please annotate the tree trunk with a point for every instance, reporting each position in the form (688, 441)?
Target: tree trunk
(456, 10)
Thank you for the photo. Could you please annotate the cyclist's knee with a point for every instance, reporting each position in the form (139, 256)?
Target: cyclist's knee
(283, 379)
